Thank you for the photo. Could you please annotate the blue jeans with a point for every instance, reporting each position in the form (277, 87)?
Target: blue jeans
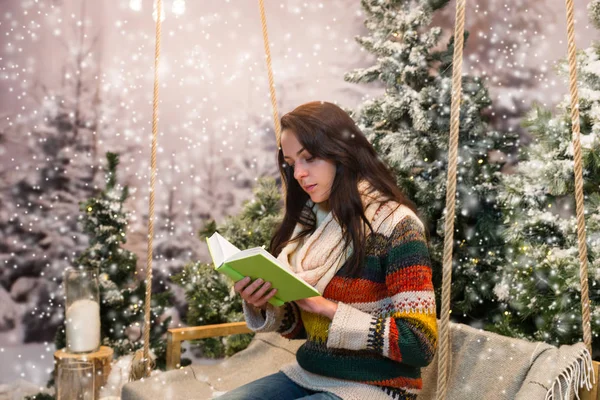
(275, 387)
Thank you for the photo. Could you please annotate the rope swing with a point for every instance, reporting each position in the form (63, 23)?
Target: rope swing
(459, 31)
(267, 47)
(137, 371)
(265, 33)
(444, 337)
(583, 269)
(451, 191)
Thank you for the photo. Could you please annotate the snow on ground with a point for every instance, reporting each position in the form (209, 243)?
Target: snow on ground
(30, 362)
(26, 368)
(18, 390)
(33, 362)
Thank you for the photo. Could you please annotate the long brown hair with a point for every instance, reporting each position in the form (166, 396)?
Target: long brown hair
(328, 132)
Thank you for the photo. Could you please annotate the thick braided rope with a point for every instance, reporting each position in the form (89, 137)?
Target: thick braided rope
(147, 364)
(276, 122)
(444, 348)
(583, 269)
(263, 21)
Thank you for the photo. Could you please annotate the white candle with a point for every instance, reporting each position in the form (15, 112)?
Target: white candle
(83, 326)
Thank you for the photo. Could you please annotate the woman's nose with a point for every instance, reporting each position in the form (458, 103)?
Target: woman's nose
(299, 172)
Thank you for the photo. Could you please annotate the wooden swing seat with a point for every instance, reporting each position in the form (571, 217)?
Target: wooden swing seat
(483, 365)
(474, 364)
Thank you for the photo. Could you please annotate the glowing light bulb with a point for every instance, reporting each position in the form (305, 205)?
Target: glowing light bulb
(135, 5)
(178, 7)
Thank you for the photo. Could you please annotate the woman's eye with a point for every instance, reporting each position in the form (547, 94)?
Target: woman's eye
(308, 159)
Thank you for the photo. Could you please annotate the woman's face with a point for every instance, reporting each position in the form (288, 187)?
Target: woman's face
(315, 175)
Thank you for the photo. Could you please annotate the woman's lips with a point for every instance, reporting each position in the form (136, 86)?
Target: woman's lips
(310, 188)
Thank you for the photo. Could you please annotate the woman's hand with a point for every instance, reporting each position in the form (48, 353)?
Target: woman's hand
(256, 293)
(318, 305)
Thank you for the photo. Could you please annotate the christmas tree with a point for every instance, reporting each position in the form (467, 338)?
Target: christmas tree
(540, 285)
(122, 291)
(409, 128)
(210, 295)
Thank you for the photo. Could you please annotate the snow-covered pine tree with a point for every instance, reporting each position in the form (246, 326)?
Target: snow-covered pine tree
(540, 284)
(409, 127)
(175, 243)
(39, 209)
(210, 296)
(515, 85)
(122, 290)
(39, 199)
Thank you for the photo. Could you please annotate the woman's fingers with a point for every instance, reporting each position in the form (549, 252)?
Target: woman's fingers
(266, 297)
(256, 293)
(256, 296)
(251, 288)
(241, 284)
(260, 297)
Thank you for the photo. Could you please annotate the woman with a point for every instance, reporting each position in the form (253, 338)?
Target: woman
(350, 232)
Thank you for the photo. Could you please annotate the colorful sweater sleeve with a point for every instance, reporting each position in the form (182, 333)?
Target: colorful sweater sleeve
(404, 328)
(285, 320)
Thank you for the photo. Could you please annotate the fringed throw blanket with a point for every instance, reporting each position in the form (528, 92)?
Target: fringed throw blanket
(484, 365)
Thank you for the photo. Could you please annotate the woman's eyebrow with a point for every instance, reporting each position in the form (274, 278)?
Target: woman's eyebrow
(297, 153)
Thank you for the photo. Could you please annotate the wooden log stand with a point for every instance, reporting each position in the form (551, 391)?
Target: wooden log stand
(101, 360)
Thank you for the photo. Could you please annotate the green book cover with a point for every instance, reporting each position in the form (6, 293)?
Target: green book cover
(258, 263)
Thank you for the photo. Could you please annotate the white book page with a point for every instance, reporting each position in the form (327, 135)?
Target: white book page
(221, 248)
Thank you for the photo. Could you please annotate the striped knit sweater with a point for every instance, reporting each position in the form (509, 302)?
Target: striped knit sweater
(385, 326)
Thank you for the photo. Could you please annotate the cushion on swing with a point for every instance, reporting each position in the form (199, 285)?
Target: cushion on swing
(265, 355)
(485, 365)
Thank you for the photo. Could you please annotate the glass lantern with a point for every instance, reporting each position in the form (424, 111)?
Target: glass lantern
(82, 311)
(75, 380)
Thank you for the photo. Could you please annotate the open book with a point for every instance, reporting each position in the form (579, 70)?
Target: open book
(258, 263)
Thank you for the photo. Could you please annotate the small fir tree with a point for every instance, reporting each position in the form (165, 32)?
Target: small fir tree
(122, 292)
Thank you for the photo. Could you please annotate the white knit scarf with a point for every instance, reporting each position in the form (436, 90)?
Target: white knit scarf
(321, 253)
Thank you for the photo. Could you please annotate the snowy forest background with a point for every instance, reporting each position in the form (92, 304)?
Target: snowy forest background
(216, 137)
